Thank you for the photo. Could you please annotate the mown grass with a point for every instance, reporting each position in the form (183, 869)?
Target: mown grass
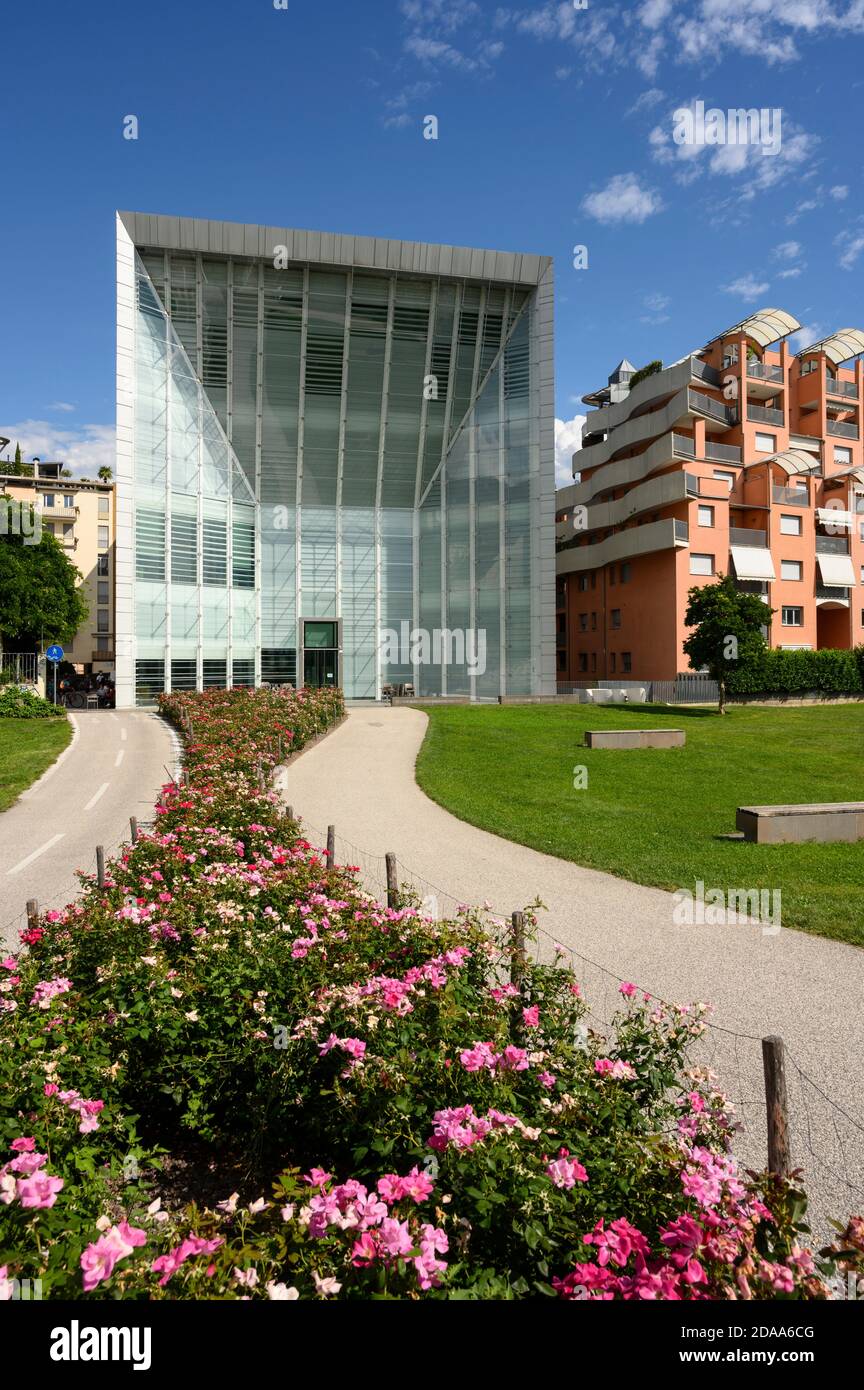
(658, 816)
(27, 748)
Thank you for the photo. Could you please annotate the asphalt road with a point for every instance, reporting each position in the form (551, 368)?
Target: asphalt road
(806, 989)
(112, 769)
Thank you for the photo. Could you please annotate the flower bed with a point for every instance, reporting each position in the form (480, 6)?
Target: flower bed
(229, 1073)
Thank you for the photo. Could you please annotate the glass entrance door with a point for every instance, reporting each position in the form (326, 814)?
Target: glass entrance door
(320, 654)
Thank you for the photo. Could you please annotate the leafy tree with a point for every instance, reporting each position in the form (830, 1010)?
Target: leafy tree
(39, 594)
(727, 631)
(105, 475)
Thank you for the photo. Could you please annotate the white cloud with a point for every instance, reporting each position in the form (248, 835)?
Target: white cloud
(646, 101)
(443, 14)
(83, 450)
(747, 287)
(808, 206)
(568, 438)
(840, 191)
(788, 250)
(852, 249)
(806, 336)
(755, 171)
(624, 199)
(791, 274)
(63, 406)
(563, 73)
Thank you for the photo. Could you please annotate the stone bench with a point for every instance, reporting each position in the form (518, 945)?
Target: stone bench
(634, 738)
(789, 825)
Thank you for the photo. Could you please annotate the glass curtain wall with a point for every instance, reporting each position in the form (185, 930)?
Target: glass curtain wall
(329, 447)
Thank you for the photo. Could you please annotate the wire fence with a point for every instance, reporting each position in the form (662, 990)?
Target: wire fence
(826, 1139)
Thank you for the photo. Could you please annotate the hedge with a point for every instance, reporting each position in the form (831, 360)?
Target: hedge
(778, 672)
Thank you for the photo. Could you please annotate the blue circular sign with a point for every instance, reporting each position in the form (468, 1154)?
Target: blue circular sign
(54, 653)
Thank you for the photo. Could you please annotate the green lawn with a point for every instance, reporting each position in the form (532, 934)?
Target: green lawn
(27, 748)
(652, 815)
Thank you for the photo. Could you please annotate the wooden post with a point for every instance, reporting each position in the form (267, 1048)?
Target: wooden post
(133, 826)
(517, 949)
(331, 844)
(392, 881)
(32, 913)
(100, 866)
(779, 1155)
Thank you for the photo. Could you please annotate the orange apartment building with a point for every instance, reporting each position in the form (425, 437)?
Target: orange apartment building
(741, 458)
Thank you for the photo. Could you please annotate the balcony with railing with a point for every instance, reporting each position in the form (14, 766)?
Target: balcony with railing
(834, 593)
(842, 428)
(790, 496)
(764, 371)
(747, 535)
(764, 414)
(835, 387)
(832, 545)
(706, 405)
(682, 530)
(54, 510)
(702, 372)
(691, 482)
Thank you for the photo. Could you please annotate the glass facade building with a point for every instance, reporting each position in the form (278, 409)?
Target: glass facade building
(329, 446)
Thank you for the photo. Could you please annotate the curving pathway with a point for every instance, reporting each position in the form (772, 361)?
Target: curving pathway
(112, 769)
(808, 990)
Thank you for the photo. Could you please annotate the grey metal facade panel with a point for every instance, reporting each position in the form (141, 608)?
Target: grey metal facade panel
(244, 239)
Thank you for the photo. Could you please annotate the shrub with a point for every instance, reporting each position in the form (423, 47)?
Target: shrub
(18, 703)
(778, 672)
(232, 1013)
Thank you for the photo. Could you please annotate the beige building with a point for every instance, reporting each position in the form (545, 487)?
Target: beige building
(80, 515)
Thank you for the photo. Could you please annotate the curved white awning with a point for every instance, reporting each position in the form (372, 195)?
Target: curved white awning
(837, 571)
(765, 327)
(790, 460)
(845, 343)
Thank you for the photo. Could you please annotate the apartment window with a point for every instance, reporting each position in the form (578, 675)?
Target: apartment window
(102, 540)
(102, 620)
(612, 662)
(793, 617)
(730, 354)
(625, 573)
(706, 516)
(583, 622)
(790, 569)
(766, 443)
(593, 662)
(48, 499)
(809, 366)
(102, 591)
(842, 454)
(49, 527)
(67, 528)
(102, 565)
(593, 622)
(790, 525)
(701, 564)
(616, 617)
(722, 476)
(593, 579)
(626, 662)
(583, 661)
(583, 583)
(104, 504)
(68, 500)
(562, 661)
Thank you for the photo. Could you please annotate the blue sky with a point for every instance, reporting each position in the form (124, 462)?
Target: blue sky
(555, 130)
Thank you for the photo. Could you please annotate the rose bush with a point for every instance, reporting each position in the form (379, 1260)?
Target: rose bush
(230, 1013)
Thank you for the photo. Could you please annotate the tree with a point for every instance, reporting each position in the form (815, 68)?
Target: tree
(39, 594)
(18, 468)
(104, 475)
(727, 630)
